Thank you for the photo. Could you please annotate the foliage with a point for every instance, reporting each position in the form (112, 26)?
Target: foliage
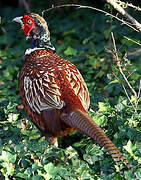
(81, 36)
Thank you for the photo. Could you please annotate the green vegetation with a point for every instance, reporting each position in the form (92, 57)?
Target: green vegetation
(80, 36)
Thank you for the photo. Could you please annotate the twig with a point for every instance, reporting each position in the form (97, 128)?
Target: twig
(130, 74)
(124, 13)
(114, 45)
(119, 66)
(139, 92)
(135, 53)
(138, 97)
(135, 109)
(96, 9)
(132, 40)
(126, 4)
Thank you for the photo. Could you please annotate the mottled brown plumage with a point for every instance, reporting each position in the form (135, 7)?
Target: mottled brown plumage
(53, 92)
(45, 74)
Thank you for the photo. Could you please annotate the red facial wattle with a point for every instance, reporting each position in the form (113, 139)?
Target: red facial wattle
(28, 24)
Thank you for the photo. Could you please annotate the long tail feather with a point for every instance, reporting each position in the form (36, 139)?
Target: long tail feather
(82, 122)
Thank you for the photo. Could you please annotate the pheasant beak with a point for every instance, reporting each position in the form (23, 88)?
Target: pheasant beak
(18, 20)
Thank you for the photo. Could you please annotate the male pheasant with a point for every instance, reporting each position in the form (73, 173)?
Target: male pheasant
(53, 92)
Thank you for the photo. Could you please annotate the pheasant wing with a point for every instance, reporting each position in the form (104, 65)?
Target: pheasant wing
(42, 95)
(42, 82)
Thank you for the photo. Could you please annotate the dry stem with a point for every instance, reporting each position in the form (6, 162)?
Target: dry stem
(124, 13)
(129, 39)
(136, 95)
(125, 92)
(93, 8)
(126, 4)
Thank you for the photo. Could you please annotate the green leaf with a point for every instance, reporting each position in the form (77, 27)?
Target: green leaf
(129, 175)
(22, 175)
(37, 177)
(36, 166)
(134, 99)
(28, 171)
(32, 134)
(101, 120)
(70, 51)
(138, 173)
(12, 117)
(50, 169)
(10, 169)
(8, 157)
(103, 107)
(71, 152)
(129, 147)
(114, 81)
(93, 154)
(69, 32)
(120, 107)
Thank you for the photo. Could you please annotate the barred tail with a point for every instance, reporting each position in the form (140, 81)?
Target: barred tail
(82, 122)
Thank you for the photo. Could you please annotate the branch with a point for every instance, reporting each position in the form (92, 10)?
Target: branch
(126, 4)
(135, 109)
(93, 8)
(124, 13)
(139, 92)
(119, 66)
(132, 40)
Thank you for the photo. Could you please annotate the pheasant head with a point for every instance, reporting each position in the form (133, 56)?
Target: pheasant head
(35, 27)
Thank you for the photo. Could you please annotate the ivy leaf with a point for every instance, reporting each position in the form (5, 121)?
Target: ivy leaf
(21, 175)
(12, 117)
(101, 120)
(114, 81)
(8, 157)
(70, 51)
(119, 107)
(134, 99)
(37, 177)
(50, 169)
(129, 148)
(93, 154)
(10, 169)
(103, 107)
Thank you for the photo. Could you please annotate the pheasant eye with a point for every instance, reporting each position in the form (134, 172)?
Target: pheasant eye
(29, 21)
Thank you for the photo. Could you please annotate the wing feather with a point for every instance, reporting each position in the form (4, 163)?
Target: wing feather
(39, 99)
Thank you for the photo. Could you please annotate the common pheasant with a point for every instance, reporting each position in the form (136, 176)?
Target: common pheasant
(53, 92)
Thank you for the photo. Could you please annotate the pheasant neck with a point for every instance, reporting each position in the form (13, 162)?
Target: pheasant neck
(42, 42)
